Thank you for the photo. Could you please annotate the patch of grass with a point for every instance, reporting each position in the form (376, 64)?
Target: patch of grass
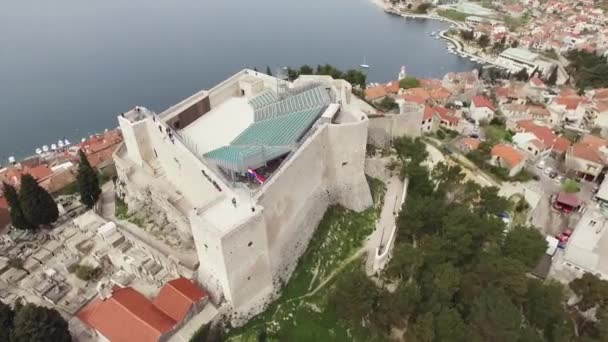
(495, 133)
(571, 186)
(302, 312)
(86, 272)
(519, 209)
(138, 221)
(453, 14)
(524, 176)
(121, 208)
(70, 189)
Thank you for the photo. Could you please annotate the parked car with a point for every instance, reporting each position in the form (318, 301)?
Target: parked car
(548, 170)
(541, 164)
(562, 237)
(559, 179)
(553, 175)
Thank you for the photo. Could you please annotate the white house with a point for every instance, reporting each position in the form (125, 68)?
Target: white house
(481, 109)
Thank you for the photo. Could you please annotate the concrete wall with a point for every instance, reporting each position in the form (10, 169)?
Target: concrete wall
(190, 114)
(326, 169)
(408, 123)
(346, 163)
(136, 139)
(183, 169)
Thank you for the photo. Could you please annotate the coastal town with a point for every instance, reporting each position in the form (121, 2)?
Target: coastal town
(316, 204)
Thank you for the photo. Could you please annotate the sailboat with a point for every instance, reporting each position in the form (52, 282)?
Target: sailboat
(364, 65)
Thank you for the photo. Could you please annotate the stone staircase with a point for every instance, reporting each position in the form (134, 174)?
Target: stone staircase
(157, 169)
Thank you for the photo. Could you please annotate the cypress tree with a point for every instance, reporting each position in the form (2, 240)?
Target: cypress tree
(88, 183)
(38, 205)
(17, 217)
(268, 72)
(553, 77)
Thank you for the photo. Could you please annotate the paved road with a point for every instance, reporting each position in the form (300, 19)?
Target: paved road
(386, 222)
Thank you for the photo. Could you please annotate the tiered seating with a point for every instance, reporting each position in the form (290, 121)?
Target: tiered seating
(282, 130)
(309, 99)
(278, 127)
(262, 100)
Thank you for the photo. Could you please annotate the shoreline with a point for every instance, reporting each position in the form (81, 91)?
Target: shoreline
(458, 45)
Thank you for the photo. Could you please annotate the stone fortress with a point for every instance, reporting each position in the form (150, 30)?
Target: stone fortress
(247, 170)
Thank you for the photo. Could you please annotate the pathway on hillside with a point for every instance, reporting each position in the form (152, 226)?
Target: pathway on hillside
(386, 222)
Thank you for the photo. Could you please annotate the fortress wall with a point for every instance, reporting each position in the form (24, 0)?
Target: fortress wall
(346, 164)
(182, 169)
(294, 202)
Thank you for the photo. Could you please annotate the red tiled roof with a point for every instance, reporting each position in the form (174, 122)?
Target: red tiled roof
(570, 103)
(392, 87)
(482, 102)
(568, 199)
(507, 153)
(412, 98)
(177, 297)
(428, 112)
(470, 143)
(374, 93)
(127, 316)
(593, 141)
(5, 217)
(537, 81)
(561, 144)
(584, 151)
(39, 172)
(538, 110)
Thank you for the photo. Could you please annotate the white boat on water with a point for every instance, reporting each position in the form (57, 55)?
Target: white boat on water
(66, 142)
(364, 65)
(45, 148)
(53, 147)
(433, 33)
(60, 143)
(11, 160)
(38, 151)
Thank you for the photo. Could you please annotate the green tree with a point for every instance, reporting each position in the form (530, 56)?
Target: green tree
(88, 182)
(467, 34)
(528, 334)
(521, 75)
(354, 295)
(355, 77)
(306, 70)
(553, 77)
(292, 74)
(449, 326)
(543, 306)
(515, 44)
(268, 71)
(494, 317)
(409, 82)
(524, 244)
(422, 330)
(423, 8)
(6, 322)
(38, 205)
(387, 104)
(18, 219)
(483, 41)
(592, 291)
(34, 323)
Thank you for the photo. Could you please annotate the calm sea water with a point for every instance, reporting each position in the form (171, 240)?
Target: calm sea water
(68, 67)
